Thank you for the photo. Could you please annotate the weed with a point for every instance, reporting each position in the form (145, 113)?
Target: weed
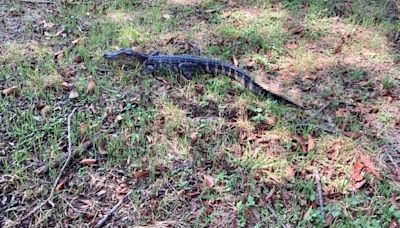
(389, 82)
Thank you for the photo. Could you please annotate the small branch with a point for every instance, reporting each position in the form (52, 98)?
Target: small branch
(49, 199)
(276, 216)
(71, 206)
(319, 189)
(102, 221)
(38, 1)
(66, 162)
(316, 113)
(397, 169)
(332, 131)
(195, 49)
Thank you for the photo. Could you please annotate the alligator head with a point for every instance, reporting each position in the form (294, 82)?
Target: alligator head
(125, 56)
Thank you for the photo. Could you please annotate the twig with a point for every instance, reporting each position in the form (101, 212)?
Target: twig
(332, 131)
(38, 1)
(71, 206)
(391, 159)
(319, 189)
(316, 113)
(276, 216)
(195, 49)
(102, 221)
(393, 162)
(49, 199)
(66, 161)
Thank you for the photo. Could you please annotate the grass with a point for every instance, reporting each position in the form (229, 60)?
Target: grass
(177, 133)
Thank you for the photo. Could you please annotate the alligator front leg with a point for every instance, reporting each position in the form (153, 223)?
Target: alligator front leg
(188, 69)
(147, 69)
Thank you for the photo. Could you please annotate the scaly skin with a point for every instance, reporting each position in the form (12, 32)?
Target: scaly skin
(187, 65)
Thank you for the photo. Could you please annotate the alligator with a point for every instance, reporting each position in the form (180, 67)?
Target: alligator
(187, 65)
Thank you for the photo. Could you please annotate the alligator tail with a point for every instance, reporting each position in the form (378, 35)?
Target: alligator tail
(246, 81)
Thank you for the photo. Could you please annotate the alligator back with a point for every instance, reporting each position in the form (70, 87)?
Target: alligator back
(206, 65)
(213, 67)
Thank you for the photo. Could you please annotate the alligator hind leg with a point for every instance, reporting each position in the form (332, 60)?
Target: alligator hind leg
(188, 69)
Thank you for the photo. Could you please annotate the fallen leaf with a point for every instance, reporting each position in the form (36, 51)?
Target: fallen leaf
(58, 54)
(301, 141)
(291, 46)
(359, 184)
(101, 192)
(341, 112)
(91, 85)
(289, 172)
(70, 72)
(208, 181)
(208, 210)
(271, 120)
(393, 225)
(181, 192)
(102, 148)
(285, 194)
(88, 161)
(193, 136)
(297, 30)
(310, 143)
(92, 108)
(14, 12)
(353, 135)
(369, 166)
(73, 94)
(60, 185)
(121, 190)
(210, 11)
(78, 59)
(141, 174)
(150, 139)
(252, 215)
(307, 214)
(274, 67)
(166, 16)
(235, 61)
(14, 90)
(310, 77)
(76, 41)
(45, 111)
(87, 203)
(329, 220)
(83, 127)
(270, 194)
(59, 32)
(118, 118)
(393, 200)
(67, 86)
(39, 106)
(48, 25)
(199, 89)
(193, 194)
(338, 48)
(357, 175)
(250, 63)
